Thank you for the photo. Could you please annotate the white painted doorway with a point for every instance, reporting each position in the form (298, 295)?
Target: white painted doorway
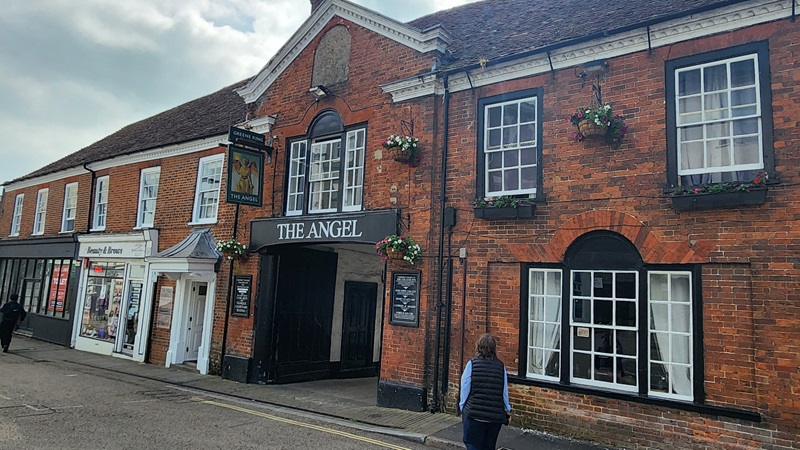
(195, 320)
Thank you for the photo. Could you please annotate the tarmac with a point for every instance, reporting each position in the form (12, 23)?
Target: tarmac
(350, 402)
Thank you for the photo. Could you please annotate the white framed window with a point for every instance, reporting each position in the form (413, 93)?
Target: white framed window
(70, 207)
(604, 328)
(509, 143)
(323, 176)
(206, 197)
(148, 194)
(670, 337)
(544, 324)
(41, 211)
(355, 147)
(719, 116)
(295, 198)
(100, 203)
(16, 218)
(326, 168)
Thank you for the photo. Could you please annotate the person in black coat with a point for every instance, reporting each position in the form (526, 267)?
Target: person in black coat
(484, 396)
(12, 313)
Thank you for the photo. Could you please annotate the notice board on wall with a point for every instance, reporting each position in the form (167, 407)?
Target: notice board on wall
(165, 299)
(405, 299)
(241, 295)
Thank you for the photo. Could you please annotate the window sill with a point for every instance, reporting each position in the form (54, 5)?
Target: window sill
(201, 222)
(37, 234)
(506, 212)
(66, 232)
(718, 200)
(97, 229)
(142, 227)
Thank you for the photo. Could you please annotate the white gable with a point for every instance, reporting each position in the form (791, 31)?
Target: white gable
(422, 41)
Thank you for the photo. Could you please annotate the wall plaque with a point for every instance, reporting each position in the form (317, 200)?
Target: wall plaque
(241, 295)
(405, 299)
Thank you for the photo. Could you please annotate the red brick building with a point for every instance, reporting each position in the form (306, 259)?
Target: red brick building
(641, 282)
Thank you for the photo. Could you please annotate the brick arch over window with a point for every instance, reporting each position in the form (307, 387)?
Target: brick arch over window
(652, 249)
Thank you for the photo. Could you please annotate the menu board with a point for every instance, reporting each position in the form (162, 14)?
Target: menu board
(405, 299)
(241, 295)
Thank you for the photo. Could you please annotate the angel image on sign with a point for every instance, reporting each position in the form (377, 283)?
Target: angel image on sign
(247, 172)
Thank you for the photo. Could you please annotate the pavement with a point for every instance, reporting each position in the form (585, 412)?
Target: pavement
(350, 402)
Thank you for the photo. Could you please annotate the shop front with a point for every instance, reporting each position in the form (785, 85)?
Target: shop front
(115, 293)
(319, 306)
(44, 273)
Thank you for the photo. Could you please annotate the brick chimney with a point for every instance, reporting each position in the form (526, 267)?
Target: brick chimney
(315, 4)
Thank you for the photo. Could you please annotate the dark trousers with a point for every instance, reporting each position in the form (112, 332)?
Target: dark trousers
(6, 330)
(480, 435)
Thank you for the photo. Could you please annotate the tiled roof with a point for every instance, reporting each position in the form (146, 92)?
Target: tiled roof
(492, 29)
(203, 117)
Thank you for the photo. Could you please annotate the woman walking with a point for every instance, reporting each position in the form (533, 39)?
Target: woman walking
(484, 396)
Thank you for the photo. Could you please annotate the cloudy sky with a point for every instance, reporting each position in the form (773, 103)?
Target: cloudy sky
(72, 72)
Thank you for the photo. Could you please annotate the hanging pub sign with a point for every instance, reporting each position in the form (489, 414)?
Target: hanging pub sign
(405, 299)
(245, 171)
(246, 138)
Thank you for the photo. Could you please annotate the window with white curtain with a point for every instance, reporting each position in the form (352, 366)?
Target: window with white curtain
(719, 116)
(544, 323)
(100, 204)
(148, 194)
(41, 211)
(16, 217)
(206, 198)
(70, 207)
(670, 334)
(603, 331)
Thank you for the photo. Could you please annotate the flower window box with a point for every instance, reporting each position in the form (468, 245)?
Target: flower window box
(717, 200)
(504, 212)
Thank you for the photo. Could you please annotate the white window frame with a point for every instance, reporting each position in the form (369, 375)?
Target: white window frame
(353, 177)
(202, 192)
(490, 152)
(323, 180)
(308, 179)
(70, 208)
(728, 121)
(16, 218)
(577, 327)
(674, 308)
(40, 215)
(544, 322)
(296, 181)
(141, 213)
(100, 215)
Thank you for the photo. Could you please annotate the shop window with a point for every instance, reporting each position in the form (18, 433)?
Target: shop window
(206, 198)
(604, 321)
(16, 217)
(103, 301)
(148, 193)
(70, 207)
(719, 117)
(100, 204)
(321, 177)
(509, 145)
(41, 212)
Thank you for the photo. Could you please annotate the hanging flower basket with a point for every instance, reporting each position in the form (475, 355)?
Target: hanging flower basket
(403, 149)
(232, 250)
(399, 248)
(601, 122)
(588, 129)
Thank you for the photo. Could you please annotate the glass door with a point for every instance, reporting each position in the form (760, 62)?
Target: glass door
(129, 314)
